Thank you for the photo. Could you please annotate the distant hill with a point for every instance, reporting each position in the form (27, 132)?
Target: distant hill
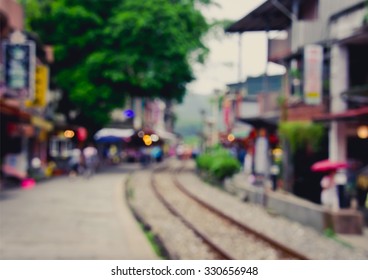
(189, 119)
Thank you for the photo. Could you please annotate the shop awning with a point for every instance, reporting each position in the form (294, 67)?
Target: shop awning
(266, 17)
(14, 111)
(348, 115)
(261, 122)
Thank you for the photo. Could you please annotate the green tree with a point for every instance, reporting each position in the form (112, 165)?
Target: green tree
(108, 50)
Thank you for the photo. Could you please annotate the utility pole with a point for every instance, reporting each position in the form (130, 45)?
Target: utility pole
(240, 59)
(203, 130)
(215, 112)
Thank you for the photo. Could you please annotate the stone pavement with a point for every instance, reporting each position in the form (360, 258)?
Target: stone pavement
(357, 241)
(77, 218)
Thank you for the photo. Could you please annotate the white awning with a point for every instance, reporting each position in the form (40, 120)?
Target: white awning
(114, 132)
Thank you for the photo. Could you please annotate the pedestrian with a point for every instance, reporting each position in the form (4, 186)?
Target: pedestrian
(261, 159)
(329, 194)
(113, 154)
(156, 154)
(362, 188)
(75, 161)
(145, 156)
(90, 155)
(241, 153)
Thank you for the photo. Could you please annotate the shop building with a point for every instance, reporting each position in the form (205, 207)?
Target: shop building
(322, 44)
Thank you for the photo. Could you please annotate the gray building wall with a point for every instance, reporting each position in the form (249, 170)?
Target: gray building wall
(313, 31)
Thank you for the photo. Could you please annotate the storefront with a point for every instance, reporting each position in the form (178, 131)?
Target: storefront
(16, 129)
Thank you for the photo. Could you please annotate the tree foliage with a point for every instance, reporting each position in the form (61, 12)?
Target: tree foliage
(108, 50)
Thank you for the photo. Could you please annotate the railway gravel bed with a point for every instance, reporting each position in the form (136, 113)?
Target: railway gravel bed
(181, 243)
(224, 234)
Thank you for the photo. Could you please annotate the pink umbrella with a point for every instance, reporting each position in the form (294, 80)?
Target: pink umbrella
(327, 165)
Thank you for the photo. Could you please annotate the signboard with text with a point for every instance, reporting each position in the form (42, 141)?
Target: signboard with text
(313, 67)
(41, 87)
(19, 69)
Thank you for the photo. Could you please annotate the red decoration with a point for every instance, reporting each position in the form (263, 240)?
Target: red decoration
(12, 129)
(82, 134)
(273, 139)
(252, 134)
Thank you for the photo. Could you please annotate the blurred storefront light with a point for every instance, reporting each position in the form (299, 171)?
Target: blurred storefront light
(69, 133)
(141, 134)
(146, 138)
(230, 137)
(277, 152)
(155, 138)
(362, 132)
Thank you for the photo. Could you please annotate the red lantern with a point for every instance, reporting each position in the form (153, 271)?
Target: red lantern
(12, 129)
(252, 134)
(273, 139)
(82, 134)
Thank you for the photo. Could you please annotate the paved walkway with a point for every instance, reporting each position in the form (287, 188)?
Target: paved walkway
(357, 241)
(67, 218)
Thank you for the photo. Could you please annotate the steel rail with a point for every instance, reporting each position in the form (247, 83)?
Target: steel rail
(218, 251)
(284, 251)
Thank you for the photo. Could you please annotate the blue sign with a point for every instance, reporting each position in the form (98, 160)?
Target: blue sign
(19, 69)
(129, 113)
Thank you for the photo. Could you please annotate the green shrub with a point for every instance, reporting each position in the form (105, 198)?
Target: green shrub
(300, 134)
(223, 167)
(218, 163)
(204, 162)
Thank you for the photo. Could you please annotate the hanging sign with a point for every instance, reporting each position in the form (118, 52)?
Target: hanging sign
(19, 69)
(313, 63)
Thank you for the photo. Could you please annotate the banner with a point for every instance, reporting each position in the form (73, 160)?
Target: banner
(313, 65)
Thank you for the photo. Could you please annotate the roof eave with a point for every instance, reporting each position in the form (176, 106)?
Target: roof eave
(269, 19)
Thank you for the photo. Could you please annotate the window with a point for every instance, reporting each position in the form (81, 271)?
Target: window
(60, 147)
(308, 10)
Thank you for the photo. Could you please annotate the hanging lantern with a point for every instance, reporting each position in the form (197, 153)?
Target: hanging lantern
(82, 134)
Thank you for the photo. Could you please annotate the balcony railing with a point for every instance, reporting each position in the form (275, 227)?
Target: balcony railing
(304, 112)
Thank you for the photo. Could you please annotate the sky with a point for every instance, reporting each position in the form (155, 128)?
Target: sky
(222, 65)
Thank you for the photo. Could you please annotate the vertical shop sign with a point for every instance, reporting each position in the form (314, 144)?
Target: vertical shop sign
(226, 108)
(41, 87)
(313, 63)
(19, 69)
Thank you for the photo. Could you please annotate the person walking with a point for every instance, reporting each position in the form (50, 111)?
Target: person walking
(90, 155)
(75, 162)
(329, 194)
(261, 159)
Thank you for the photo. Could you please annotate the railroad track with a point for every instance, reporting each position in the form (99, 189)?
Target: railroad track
(225, 237)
